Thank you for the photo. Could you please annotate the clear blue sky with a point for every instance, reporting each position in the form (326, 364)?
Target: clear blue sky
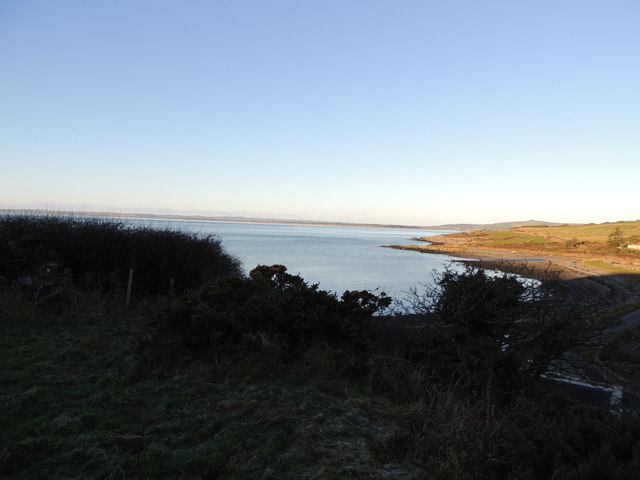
(399, 111)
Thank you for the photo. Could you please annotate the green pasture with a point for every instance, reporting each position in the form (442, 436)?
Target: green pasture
(588, 232)
(511, 237)
(612, 267)
(591, 238)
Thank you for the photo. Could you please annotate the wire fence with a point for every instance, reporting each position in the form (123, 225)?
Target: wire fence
(52, 280)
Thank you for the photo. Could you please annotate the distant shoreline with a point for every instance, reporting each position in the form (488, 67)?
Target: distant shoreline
(577, 267)
(450, 227)
(204, 218)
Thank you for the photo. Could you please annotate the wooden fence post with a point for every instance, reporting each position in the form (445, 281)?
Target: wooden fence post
(129, 287)
(67, 280)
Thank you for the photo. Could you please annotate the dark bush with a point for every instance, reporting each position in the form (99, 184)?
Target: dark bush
(486, 305)
(99, 253)
(561, 439)
(616, 238)
(573, 243)
(271, 308)
(498, 328)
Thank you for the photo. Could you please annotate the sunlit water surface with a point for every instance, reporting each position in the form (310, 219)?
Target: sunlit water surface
(337, 258)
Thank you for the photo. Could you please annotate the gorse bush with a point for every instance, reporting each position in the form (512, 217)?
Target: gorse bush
(271, 308)
(616, 238)
(497, 329)
(562, 439)
(99, 253)
(486, 305)
(573, 243)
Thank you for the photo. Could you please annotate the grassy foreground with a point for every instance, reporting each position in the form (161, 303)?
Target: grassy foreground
(75, 403)
(73, 406)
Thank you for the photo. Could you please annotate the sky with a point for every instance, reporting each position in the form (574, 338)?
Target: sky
(414, 112)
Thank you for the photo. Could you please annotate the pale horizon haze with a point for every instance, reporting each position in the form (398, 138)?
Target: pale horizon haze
(394, 112)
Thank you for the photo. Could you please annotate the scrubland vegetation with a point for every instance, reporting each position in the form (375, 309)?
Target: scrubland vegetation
(608, 246)
(597, 236)
(266, 376)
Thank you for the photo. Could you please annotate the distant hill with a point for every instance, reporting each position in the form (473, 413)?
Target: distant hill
(205, 218)
(155, 216)
(496, 226)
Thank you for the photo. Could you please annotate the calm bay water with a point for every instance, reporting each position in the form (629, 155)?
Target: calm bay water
(337, 258)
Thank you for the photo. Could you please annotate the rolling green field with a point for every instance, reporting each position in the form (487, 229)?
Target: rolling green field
(553, 235)
(583, 240)
(590, 232)
(509, 237)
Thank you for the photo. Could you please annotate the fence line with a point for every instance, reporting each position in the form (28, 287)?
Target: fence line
(47, 283)
(129, 287)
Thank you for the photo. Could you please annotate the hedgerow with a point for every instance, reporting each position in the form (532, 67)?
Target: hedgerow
(99, 253)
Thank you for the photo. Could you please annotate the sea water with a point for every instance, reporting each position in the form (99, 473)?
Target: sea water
(337, 258)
